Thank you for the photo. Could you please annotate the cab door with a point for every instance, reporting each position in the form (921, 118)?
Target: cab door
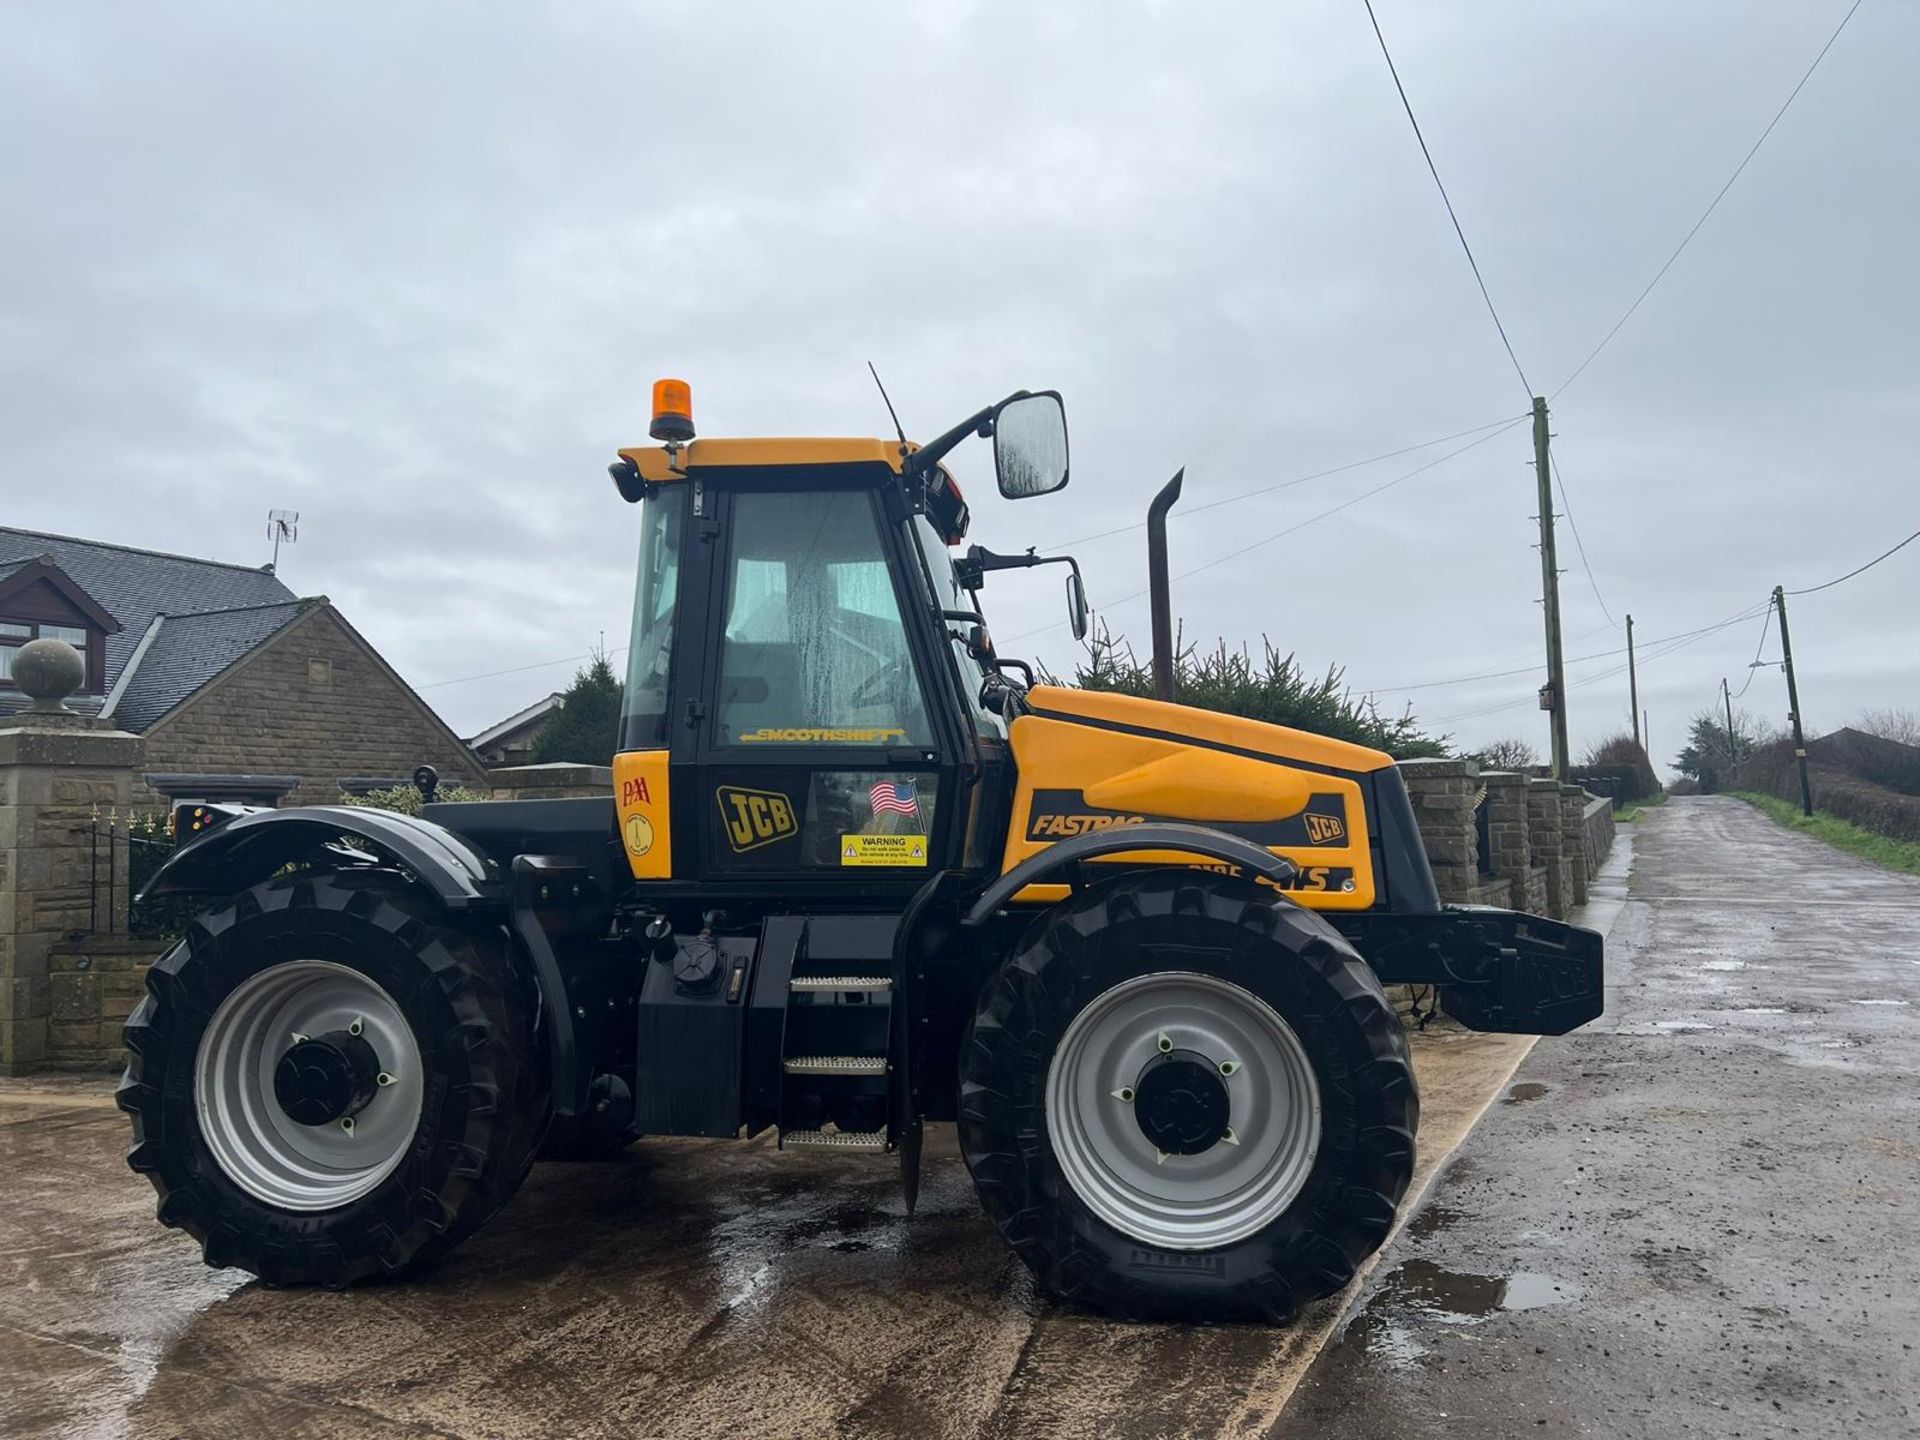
(821, 756)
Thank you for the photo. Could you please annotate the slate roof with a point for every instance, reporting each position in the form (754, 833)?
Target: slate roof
(186, 651)
(135, 585)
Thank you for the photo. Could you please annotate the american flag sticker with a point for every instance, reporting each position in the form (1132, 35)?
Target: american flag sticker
(892, 797)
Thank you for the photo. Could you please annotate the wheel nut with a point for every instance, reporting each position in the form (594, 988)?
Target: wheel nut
(1230, 1138)
(1165, 1042)
(383, 1078)
(1227, 1067)
(346, 1123)
(357, 1026)
(1124, 1094)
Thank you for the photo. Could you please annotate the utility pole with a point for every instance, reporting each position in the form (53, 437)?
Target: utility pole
(1733, 749)
(1793, 699)
(1633, 684)
(1550, 590)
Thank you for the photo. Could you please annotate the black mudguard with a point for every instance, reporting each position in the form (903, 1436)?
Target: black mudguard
(243, 852)
(551, 904)
(1061, 860)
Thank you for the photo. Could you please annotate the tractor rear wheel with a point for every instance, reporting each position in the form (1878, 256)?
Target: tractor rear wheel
(328, 1081)
(1222, 1097)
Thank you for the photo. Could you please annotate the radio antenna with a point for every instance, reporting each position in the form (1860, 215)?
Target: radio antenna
(899, 429)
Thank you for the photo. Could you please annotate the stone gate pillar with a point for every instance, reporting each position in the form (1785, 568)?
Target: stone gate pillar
(56, 769)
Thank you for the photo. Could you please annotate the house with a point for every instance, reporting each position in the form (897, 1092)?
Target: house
(241, 688)
(511, 741)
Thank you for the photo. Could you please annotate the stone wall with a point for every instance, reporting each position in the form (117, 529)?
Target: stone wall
(1443, 794)
(1509, 853)
(315, 701)
(1597, 829)
(1544, 840)
(1573, 842)
(94, 983)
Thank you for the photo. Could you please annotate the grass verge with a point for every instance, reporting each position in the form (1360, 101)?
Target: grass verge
(1631, 810)
(1841, 834)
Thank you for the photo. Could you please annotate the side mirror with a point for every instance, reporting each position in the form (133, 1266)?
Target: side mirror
(1076, 605)
(1030, 445)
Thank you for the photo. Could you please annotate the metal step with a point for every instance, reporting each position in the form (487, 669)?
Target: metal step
(835, 1065)
(834, 1139)
(841, 982)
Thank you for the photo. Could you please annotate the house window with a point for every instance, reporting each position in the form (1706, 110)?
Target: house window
(15, 633)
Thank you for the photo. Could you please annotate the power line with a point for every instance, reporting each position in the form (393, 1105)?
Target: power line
(1815, 589)
(1576, 660)
(1292, 529)
(1766, 625)
(1287, 484)
(1688, 239)
(1432, 169)
(1666, 646)
(1566, 506)
(517, 669)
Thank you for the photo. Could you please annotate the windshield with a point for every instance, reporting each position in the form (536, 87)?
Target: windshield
(949, 596)
(643, 716)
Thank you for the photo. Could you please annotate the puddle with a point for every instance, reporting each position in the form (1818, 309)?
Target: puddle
(1762, 1010)
(1420, 1293)
(1724, 965)
(1526, 1090)
(1839, 1044)
(1881, 1002)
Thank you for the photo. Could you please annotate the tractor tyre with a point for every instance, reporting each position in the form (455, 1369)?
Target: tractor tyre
(328, 1081)
(1184, 1097)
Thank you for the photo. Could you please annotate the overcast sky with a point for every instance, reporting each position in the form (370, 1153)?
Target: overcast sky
(411, 269)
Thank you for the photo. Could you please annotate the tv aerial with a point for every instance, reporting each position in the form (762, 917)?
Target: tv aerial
(283, 528)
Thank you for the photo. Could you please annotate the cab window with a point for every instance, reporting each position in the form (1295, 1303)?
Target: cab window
(814, 651)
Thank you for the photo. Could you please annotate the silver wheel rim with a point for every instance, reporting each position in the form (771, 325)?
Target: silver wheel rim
(1183, 1202)
(262, 1149)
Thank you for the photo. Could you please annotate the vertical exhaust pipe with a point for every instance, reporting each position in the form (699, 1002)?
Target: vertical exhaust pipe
(1157, 585)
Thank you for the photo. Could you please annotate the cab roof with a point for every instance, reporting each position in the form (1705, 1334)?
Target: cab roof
(766, 453)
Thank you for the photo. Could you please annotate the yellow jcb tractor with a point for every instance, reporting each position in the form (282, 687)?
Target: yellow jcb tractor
(859, 873)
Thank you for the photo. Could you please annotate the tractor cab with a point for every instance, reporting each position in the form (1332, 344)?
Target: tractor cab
(812, 694)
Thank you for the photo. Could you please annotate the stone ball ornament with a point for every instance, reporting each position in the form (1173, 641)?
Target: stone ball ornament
(47, 671)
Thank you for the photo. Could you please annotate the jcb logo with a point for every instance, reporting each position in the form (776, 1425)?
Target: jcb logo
(1325, 829)
(755, 817)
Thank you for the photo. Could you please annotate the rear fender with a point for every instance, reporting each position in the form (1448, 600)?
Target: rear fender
(243, 852)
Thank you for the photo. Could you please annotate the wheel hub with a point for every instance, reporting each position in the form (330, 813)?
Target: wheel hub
(1181, 1104)
(325, 1078)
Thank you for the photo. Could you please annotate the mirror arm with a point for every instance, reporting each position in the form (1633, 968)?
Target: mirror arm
(980, 423)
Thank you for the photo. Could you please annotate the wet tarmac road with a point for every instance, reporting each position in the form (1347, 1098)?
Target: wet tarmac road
(1699, 1216)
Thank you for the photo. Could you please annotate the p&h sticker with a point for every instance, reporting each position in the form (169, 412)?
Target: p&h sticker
(883, 850)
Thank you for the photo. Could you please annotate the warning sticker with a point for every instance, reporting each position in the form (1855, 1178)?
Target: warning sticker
(883, 850)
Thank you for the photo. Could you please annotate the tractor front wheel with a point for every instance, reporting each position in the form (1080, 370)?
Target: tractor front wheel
(328, 1081)
(1184, 1097)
